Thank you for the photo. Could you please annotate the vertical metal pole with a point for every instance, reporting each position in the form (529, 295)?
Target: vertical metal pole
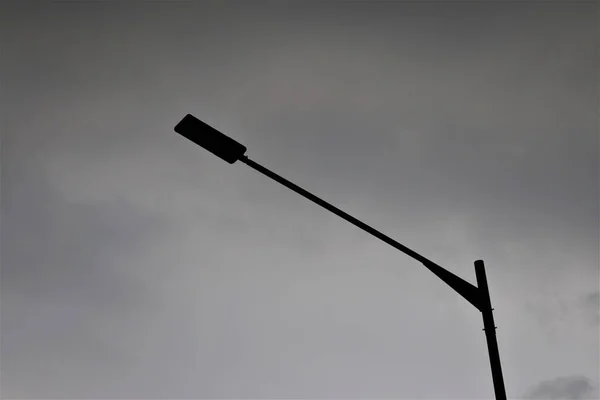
(490, 330)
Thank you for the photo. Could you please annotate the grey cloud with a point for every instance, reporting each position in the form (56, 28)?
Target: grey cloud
(465, 131)
(590, 304)
(64, 281)
(76, 238)
(563, 388)
(558, 312)
(503, 125)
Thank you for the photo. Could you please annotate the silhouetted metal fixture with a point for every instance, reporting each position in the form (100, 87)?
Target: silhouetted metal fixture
(211, 139)
(479, 296)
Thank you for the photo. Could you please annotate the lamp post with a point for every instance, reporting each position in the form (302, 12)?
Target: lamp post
(231, 151)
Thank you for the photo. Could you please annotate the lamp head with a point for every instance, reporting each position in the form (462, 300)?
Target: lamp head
(211, 139)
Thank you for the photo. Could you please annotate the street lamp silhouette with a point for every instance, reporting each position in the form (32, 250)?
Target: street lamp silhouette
(479, 296)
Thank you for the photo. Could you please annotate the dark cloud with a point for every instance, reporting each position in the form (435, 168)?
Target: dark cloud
(563, 388)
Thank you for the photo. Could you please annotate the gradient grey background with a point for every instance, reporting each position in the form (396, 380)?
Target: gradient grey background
(137, 265)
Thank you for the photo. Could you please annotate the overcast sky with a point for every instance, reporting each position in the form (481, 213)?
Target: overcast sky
(136, 265)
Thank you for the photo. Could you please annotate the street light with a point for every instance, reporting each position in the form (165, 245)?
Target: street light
(479, 296)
